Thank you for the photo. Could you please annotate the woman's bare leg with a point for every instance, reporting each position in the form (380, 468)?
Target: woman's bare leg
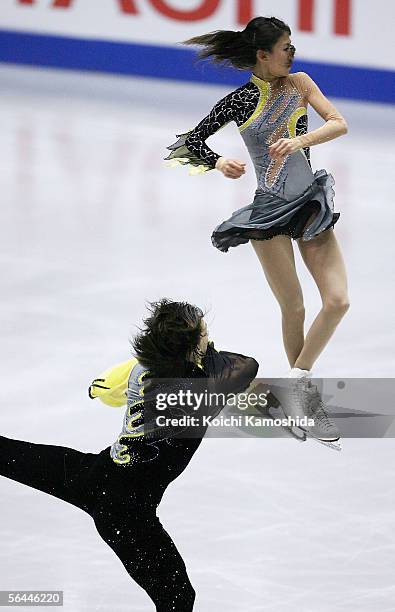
(277, 260)
(324, 261)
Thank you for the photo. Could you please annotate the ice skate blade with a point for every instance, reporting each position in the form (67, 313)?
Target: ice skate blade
(335, 445)
(299, 433)
(276, 412)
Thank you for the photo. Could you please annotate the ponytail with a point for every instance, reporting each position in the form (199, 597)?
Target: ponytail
(238, 48)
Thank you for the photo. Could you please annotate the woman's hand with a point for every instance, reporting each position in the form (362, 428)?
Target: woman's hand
(284, 146)
(231, 168)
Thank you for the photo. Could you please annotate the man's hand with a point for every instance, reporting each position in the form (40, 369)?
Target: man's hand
(231, 168)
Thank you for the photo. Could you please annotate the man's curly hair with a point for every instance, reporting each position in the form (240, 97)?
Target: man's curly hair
(169, 339)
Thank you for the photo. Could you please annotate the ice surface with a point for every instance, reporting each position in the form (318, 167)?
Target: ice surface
(89, 233)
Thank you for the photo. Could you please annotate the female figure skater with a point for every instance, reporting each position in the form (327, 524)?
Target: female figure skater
(290, 201)
(121, 490)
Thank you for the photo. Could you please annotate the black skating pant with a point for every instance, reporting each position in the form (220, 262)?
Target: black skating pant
(121, 499)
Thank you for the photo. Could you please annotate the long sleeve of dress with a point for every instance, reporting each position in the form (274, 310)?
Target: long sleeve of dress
(191, 148)
(335, 124)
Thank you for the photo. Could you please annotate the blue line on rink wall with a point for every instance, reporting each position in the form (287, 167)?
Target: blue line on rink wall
(178, 63)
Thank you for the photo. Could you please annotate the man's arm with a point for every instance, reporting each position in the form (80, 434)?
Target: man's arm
(227, 373)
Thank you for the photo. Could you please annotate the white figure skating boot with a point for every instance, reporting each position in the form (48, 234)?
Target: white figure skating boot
(300, 399)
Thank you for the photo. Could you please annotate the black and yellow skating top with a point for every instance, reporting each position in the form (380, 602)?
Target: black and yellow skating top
(126, 383)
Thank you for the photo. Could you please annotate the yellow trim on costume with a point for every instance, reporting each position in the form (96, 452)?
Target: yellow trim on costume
(127, 460)
(181, 161)
(141, 376)
(264, 88)
(123, 449)
(133, 404)
(130, 427)
(132, 418)
(293, 120)
(111, 386)
(199, 169)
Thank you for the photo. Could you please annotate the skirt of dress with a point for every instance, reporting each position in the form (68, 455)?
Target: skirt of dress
(270, 215)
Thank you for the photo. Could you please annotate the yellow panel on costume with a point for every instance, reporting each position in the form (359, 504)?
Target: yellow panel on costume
(264, 91)
(111, 386)
(293, 120)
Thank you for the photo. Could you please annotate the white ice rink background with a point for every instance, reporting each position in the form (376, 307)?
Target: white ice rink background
(89, 232)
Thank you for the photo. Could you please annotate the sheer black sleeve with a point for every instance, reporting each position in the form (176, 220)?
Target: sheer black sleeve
(229, 372)
(191, 148)
(223, 373)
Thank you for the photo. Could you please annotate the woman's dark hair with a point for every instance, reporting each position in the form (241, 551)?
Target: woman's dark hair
(238, 49)
(171, 335)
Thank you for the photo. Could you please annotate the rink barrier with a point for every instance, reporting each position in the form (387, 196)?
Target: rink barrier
(341, 81)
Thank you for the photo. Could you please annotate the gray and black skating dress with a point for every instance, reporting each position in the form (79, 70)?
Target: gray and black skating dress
(290, 199)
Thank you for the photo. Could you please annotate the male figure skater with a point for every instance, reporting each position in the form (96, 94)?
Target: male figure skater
(121, 486)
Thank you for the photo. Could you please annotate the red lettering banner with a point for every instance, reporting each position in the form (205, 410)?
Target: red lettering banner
(245, 11)
(342, 23)
(306, 15)
(206, 8)
(128, 6)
